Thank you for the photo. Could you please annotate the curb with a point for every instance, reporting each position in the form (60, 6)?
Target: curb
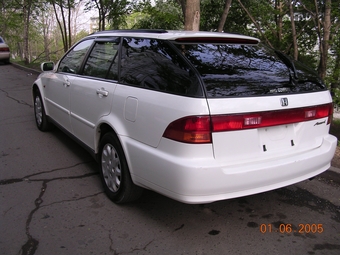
(334, 169)
(25, 68)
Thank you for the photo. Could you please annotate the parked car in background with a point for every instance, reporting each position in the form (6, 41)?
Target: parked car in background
(195, 116)
(4, 51)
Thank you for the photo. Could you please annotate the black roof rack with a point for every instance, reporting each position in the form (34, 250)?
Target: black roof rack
(155, 31)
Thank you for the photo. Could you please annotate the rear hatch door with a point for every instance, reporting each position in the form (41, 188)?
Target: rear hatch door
(263, 106)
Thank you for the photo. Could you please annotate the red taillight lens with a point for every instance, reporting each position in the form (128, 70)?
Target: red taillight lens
(6, 49)
(232, 122)
(192, 129)
(198, 129)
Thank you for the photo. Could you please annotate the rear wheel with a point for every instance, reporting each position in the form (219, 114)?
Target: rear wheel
(39, 113)
(114, 172)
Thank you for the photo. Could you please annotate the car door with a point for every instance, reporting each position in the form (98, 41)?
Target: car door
(57, 85)
(92, 92)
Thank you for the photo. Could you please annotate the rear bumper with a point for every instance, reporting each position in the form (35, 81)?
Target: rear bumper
(203, 180)
(4, 55)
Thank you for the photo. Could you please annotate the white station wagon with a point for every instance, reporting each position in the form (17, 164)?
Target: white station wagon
(195, 116)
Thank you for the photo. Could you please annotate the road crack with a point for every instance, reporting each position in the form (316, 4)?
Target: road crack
(17, 100)
(31, 245)
(27, 177)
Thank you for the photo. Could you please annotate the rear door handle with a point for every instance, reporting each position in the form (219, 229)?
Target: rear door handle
(102, 92)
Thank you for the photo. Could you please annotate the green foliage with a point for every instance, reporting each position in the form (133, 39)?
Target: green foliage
(163, 15)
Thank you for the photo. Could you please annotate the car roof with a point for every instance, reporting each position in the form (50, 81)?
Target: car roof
(176, 35)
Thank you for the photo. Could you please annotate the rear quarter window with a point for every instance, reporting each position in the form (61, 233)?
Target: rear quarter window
(153, 64)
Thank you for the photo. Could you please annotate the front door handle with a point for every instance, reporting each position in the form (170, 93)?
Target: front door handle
(102, 92)
(67, 83)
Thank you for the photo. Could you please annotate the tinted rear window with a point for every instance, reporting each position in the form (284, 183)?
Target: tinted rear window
(245, 70)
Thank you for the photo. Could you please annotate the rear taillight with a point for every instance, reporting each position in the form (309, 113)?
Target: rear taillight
(5, 49)
(191, 129)
(198, 129)
(221, 123)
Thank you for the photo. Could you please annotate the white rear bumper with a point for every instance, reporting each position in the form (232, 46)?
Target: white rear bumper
(193, 179)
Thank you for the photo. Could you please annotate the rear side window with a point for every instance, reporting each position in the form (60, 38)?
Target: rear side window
(153, 64)
(72, 61)
(232, 70)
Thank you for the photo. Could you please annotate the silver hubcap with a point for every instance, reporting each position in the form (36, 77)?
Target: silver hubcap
(111, 167)
(38, 110)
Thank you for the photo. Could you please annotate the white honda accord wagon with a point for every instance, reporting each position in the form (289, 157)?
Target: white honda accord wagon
(195, 116)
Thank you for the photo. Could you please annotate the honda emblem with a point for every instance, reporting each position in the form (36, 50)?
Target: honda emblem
(284, 101)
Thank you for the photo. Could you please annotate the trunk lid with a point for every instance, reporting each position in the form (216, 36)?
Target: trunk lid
(261, 138)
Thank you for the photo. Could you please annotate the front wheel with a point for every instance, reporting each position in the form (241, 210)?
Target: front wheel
(114, 172)
(39, 112)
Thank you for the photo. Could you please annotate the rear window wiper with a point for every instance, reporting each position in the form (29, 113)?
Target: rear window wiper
(288, 62)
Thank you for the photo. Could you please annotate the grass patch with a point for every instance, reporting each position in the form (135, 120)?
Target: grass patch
(35, 66)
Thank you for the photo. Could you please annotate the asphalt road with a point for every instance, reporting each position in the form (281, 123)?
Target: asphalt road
(52, 202)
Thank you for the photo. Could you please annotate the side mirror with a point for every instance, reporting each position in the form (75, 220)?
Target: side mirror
(47, 66)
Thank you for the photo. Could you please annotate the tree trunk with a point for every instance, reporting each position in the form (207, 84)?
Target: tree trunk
(182, 3)
(224, 15)
(279, 20)
(336, 75)
(46, 37)
(295, 46)
(60, 26)
(192, 15)
(69, 24)
(259, 30)
(324, 44)
(64, 30)
(26, 13)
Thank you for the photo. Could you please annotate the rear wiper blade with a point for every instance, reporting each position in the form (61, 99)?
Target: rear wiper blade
(288, 62)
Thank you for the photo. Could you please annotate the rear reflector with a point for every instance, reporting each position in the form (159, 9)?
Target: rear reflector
(198, 129)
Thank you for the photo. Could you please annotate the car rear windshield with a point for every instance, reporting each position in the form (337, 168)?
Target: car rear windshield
(234, 70)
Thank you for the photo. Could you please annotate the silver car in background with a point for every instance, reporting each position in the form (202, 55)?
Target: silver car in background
(4, 51)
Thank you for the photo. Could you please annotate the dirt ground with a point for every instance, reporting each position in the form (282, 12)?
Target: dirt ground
(336, 159)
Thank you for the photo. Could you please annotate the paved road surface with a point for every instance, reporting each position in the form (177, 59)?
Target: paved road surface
(51, 202)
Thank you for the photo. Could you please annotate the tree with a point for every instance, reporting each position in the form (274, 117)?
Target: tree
(163, 15)
(224, 15)
(103, 7)
(64, 8)
(192, 14)
(295, 46)
(112, 12)
(27, 9)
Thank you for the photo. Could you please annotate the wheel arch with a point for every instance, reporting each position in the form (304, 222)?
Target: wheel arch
(104, 128)
(36, 88)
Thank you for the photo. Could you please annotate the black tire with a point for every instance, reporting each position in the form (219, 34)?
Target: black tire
(39, 113)
(114, 172)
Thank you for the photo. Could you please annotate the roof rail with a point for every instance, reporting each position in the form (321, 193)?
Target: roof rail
(155, 31)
